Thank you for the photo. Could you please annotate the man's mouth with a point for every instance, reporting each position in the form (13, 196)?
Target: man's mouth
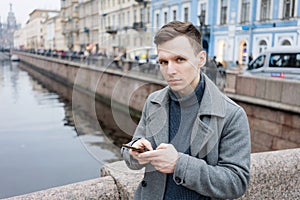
(172, 81)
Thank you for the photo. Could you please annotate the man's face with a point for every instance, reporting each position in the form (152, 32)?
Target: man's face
(179, 64)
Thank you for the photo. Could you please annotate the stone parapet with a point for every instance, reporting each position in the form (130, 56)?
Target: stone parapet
(126, 180)
(101, 188)
(275, 93)
(274, 175)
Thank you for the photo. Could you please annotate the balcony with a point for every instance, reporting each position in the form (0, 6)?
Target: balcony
(111, 30)
(138, 26)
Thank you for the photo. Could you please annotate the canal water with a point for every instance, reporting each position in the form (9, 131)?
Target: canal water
(40, 147)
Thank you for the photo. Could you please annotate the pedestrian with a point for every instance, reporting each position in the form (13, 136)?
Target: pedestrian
(196, 141)
(250, 58)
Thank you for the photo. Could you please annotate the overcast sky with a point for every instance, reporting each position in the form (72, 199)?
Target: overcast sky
(22, 8)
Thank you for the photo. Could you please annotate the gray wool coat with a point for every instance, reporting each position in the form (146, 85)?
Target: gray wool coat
(219, 164)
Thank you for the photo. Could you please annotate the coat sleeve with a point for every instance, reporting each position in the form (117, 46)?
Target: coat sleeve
(138, 134)
(229, 178)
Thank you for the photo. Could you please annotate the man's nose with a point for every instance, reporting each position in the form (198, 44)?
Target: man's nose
(170, 69)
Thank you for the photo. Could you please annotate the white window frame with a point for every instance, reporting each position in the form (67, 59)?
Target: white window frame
(174, 7)
(240, 12)
(155, 18)
(291, 37)
(258, 17)
(186, 5)
(257, 39)
(281, 9)
(219, 12)
(165, 10)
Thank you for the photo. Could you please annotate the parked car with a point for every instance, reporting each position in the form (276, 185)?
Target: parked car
(15, 58)
(283, 62)
(153, 59)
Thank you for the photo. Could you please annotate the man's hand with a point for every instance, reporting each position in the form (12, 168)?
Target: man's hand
(142, 143)
(163, 158)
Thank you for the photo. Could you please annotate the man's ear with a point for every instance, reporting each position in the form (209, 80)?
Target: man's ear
(202, 58)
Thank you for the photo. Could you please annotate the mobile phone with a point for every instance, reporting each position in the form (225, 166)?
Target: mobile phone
(140, 150)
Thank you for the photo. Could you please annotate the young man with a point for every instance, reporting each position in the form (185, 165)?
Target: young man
(197, 139)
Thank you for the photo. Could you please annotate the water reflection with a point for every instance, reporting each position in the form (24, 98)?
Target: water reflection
(40, 147)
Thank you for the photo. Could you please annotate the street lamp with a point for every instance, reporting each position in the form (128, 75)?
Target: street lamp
(205, 32)
(202, 21)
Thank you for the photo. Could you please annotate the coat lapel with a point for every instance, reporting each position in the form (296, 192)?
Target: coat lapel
(205, 133)
(159, 126)
(159, 118)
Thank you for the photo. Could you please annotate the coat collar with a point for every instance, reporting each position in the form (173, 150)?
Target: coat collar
(212, 102)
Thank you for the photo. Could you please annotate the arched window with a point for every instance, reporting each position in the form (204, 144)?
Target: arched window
(262, 46)
(243, 53)
(221, 51)
(286, 43)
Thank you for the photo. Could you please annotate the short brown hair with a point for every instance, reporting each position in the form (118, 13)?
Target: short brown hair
(176, 28)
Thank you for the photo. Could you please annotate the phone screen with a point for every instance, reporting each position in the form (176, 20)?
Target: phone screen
(140, 150)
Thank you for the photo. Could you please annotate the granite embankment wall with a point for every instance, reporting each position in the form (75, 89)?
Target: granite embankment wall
(273, 109)
(274, 175)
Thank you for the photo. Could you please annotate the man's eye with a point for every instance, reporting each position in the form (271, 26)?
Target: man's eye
(163, 63)
(180, 59)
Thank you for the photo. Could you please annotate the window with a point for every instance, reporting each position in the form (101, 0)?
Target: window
(174, 15)
(113, 20)
(223, 16)
(186, 14)
(265, 10)
(262, 46)
(148, 15)
(258, 63)
(142, 14)
(285, 60)
(157, 20)
(134, 15)
(165, 17)
(288, 8)
(245, 11)
(128, 18)
(120, 20)
(286, 43)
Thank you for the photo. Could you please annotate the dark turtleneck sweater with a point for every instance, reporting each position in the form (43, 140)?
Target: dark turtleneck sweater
(182, 115)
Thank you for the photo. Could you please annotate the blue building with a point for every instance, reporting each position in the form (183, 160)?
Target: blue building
(235, 29)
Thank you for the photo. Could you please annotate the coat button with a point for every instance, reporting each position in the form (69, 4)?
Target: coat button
(178, 180)
(144, 183)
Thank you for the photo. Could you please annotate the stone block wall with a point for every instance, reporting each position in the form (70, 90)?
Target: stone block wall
(272, 129)
(273, 109)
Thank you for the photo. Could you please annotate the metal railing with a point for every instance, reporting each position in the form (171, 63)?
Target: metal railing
(217, 75)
